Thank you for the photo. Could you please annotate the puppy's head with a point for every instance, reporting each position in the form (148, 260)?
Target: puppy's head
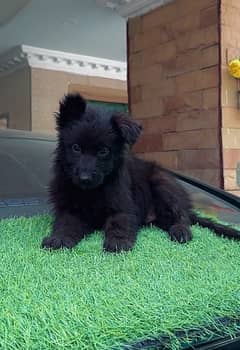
(92, 141)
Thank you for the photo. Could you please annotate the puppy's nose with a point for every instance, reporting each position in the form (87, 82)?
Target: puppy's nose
(85, 178)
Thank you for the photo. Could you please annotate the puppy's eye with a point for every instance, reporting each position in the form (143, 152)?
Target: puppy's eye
(76, 148)
(103, 152)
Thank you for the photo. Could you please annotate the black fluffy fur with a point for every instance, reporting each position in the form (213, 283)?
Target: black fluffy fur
(98, 184)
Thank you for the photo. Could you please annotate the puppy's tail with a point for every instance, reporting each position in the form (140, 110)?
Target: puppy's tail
(220, 230)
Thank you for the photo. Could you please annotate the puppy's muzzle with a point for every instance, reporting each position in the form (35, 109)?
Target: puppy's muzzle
(86, 179)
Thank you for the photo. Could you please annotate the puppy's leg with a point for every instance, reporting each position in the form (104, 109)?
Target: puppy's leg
(172, 206)
(67, 231)
(120, 232)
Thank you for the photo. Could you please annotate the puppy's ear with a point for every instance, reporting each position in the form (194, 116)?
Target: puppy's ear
(126, 128)
(71, 108)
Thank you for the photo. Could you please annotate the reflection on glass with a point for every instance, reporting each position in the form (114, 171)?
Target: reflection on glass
(211, 205)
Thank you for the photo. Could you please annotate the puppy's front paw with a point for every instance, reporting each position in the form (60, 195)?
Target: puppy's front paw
(117, 245)
(180, 233)
(57, 242)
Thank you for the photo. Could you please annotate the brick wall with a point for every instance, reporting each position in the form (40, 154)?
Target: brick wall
(230, 48)
(173, 56)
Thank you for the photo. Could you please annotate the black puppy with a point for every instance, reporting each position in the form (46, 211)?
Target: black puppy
(97, 184)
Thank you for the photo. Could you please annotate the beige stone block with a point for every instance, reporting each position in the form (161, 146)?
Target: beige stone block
(193, 81)
(158, 125)
(136, 60)
(230, 117)
(162, 15)
(159, 88)
(152, 107)
(185, 24)
(231, 138)
(156, 36)
(166, 159)
(210, 56)
(229, 36)
(184, 62)
(183, 102)
(149, 57)
(135, 76)
(199, 159)
(136, 94)
(231, 53)
(231, 158)
(136, 43)
(152, 73)
(194, 139)
(234, 3)
(188, 82)
(165, 52)
(198, 39)
(230, 181)
(186, 7)
(235, 193)
(148, 143)
(229, 89)
(211, 98)
(209, 16)
(230, 16)
(210, 176)
(138, 110)
(209, 77)
(199, 119)
(134, 26)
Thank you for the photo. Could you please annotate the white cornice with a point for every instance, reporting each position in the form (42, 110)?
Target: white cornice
(61, 61)
(132, 8)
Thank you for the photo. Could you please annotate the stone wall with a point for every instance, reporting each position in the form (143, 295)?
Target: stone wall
(173, 56)
(230, 48)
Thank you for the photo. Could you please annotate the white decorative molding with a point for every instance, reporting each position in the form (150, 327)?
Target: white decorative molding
(35, 57)
(132, 8)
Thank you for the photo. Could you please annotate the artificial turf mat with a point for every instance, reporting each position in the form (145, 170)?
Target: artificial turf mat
(85, 299)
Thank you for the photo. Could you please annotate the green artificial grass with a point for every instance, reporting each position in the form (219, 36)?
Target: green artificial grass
(85, 299)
